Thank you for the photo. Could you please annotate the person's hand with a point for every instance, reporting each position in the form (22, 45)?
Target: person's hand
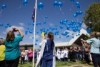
(15, 29)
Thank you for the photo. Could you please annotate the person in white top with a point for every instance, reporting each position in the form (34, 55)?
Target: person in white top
(23, 54)
(65, 54)
(58, 54)
(42, 44)
(62, 55)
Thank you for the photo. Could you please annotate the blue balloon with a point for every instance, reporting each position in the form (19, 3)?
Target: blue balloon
(1, 25)
(60, 4)
(46, 17)
(40, 5)
(61, 27)
(56, 33)
(79, 12)
(75, 15)
(3, 6)
(25, 2)
(26, 32)
(67, 36)
(78, 4)
(44, 22)
(61, 21)
(55, 3)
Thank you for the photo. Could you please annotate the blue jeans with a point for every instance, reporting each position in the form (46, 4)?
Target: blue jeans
(46, 63)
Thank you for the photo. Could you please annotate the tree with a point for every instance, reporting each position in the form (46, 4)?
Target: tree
(92, 17)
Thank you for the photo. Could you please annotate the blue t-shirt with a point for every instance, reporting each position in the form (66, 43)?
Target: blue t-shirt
(12, 48)
(95, 45)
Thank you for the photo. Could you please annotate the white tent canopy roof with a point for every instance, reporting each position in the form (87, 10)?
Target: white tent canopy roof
(61, 44)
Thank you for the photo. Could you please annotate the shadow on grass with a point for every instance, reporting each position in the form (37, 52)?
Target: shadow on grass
(72, 64)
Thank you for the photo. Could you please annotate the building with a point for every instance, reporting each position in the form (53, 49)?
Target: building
(76, 40)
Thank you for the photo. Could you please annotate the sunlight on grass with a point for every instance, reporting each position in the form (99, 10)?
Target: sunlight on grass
(62, 64)
(25, 65)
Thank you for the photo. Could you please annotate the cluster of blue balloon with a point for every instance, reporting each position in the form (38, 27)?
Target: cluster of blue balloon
(5, 25)
(58, 3)
(75, 26)
(25, 2)
(77, 13)
(28, 32)
(77, 4)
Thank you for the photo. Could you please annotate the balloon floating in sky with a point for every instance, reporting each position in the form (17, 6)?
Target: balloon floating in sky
(25, 2)
(55, 3)
(77, 4)
(1, 25)
(60, 4)
(40, 5)
(75, 15)
(79, 12)
(46, 17)
(3, 6)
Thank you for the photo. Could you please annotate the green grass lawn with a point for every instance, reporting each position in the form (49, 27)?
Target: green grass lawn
(62, 64)
(26, 64)
(72, 64)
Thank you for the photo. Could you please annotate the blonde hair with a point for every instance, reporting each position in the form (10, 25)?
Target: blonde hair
(43, 34)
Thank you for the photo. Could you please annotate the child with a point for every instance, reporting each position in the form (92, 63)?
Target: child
(23, 54)
(2, 53)
(30, 55)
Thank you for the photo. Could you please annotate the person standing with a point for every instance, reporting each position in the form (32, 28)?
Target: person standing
(42, 44)
(48, 58)
(30, 55)
(2, 53)
(12, 47)
(65, 54)
(95, 49)
(23, 54)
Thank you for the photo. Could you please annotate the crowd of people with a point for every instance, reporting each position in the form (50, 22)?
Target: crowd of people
(73, 54)
(88, 52)
(26, 55)
(10, 52)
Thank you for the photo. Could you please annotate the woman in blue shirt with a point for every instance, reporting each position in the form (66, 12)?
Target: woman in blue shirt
(12, 54)
(95, 49)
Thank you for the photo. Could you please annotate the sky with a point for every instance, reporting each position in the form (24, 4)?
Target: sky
(48, 18)
(17, 14)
